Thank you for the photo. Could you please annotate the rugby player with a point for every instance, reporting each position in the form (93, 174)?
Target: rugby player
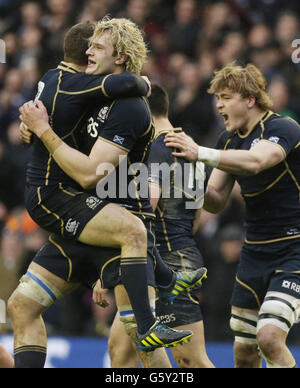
(57, 277)
(174, 239)
(260, 150)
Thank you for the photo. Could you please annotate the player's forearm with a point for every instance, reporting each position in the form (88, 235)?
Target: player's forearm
(74, 163)
(240, 162)
(214, 202)
(77, 165)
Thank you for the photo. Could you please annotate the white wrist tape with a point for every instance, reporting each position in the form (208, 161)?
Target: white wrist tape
(209, 156)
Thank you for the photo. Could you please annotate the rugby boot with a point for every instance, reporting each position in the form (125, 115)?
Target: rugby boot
(161, 336)
(185, 281)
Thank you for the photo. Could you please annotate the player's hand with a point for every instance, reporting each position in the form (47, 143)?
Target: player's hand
(34, 115)
(149, 84)
(25, 133)
(185, 146)
(99, 295)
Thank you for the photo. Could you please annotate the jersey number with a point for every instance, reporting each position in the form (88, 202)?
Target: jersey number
(92, 128)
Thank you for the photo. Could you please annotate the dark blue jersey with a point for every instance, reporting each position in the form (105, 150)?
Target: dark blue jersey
(69, 96)
(183, 186)
(272, 197)
(127, 124)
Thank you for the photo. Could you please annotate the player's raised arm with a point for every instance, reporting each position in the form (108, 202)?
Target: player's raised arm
(80, 167)
(262, 156)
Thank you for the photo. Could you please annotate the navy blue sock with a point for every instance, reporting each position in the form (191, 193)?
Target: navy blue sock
(164, 277)
(30, 357)
(134, 279)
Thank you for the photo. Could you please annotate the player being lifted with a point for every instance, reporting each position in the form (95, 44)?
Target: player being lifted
(260, 150)
(105, 56)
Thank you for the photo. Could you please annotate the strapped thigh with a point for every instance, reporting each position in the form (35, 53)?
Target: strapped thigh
(243, 325)
(280, 310)
(34, 286)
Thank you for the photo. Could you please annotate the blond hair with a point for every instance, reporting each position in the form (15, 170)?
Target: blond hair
(127, 40)
(247, 81)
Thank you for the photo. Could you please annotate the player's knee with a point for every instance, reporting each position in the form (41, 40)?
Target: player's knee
(136, 234)
(269, 343)
(16, 307)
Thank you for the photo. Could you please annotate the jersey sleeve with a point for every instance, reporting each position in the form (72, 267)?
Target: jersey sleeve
(90, 87)
(126, 121)
(159, 154)
(283, 131)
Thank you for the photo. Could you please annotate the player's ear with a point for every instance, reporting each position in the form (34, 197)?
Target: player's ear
(251, 101)
(121, 60)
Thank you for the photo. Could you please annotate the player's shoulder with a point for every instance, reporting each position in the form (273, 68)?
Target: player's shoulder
(133, 109)
(137, 103)
(284, 122)
(158, 146)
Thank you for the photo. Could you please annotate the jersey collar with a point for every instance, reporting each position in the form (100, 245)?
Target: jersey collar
(264, 118)
(65, 67)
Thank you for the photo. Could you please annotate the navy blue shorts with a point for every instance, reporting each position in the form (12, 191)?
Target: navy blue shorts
(267, 267)
(75, 262)
(186, 308)
(62, 210)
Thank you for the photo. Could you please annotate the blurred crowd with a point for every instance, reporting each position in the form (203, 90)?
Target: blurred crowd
(187, 40)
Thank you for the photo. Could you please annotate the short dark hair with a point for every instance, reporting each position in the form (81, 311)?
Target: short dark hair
(76, 43)
(159, 101)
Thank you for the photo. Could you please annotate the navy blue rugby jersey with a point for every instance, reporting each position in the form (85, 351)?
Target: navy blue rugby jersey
(69, 96)
(127, 124)
(272, 197)
(182, 194)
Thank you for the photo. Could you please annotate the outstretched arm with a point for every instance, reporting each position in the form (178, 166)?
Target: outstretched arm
(262, 156)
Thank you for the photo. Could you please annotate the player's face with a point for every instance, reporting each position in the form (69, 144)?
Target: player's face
(101, 59)
(234, 109)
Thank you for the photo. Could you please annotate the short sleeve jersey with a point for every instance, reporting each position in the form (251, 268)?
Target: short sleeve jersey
(127, 124)
(272, 197)
(182, 185)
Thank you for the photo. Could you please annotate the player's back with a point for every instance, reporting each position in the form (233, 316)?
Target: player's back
(183, 186)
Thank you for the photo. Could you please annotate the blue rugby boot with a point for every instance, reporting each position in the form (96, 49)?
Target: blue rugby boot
(161, 336)
(184, 281)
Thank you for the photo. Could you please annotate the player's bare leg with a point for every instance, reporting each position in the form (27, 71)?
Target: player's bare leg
(122, 351)
(272, 343)
(193, 354)
(246, 352)
(26, 306)
(6, 360)
(155, 359)
(116, 227)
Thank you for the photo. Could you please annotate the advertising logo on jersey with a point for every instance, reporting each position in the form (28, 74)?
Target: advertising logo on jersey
(102, 114)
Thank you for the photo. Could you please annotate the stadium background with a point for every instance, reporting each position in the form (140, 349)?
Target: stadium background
(187, 39)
